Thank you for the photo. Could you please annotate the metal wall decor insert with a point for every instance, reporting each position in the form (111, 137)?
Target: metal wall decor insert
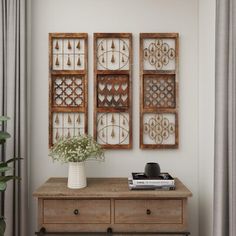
(67, 125)
(113, 128)
(113, 54)
(113, 90)
(68, 106)
(159, 90)
(159, 128)
(68, 53)
(159, 54)
(112, 87)
(68, 91)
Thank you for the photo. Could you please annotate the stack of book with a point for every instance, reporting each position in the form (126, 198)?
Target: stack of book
(139, 181)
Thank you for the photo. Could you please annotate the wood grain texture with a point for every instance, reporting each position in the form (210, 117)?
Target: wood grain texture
(157, 73)
(105, 188)
(89, 211)
(67, 73)
(148, 211)
(107, 202)
(116, 109)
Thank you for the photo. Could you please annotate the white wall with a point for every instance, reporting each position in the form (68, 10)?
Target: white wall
(133, 16)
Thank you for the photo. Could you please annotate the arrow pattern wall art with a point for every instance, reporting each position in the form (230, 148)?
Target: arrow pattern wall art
(112, 82)
(68, 86)
(68, 53)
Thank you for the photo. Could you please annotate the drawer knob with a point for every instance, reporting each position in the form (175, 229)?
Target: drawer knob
(148, 212)
(76, 212)
(109, 230)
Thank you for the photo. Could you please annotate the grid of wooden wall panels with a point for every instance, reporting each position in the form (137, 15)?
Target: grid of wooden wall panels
(112, 90)
(159, 90)
(68, 86)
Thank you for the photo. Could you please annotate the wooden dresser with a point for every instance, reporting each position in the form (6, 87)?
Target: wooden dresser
(107, 205)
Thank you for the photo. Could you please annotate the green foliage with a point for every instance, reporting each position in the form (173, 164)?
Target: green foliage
(4, 167)
(4, 118)
(3, 135)
(2, 226)
(76, 149)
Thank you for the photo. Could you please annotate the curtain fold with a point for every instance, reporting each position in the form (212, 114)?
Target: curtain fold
(225, 120)
(13, 103)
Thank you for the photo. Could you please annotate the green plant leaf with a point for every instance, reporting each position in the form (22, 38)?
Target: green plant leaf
(4, 118)
(3, 164)
(13, 159)
(4, 169)
(2, 226)
(8, 177)
(3, 186)
(4, 135)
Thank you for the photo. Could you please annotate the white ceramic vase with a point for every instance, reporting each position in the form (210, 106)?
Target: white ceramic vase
(76, 175)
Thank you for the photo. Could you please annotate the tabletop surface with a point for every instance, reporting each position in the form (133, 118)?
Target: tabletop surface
(106, 188)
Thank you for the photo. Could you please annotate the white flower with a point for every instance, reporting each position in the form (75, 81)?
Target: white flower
(76, 149)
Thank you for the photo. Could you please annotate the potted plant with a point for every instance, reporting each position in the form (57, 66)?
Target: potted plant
(75, 151)
(4, 167)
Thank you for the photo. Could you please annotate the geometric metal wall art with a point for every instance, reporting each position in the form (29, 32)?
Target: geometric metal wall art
(68, 86)
(159, 128)
(112, 90)
(159, 90)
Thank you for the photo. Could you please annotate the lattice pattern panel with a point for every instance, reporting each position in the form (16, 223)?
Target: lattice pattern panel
(159, 128)
(159, 90)
(113, 128)
(68, 86)
(113, 91)
(113, 54)
(112, 82)
(68, 91)
(68, 54)
(66, 125)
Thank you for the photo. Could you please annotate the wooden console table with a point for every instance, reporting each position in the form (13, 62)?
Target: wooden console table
(106, 205)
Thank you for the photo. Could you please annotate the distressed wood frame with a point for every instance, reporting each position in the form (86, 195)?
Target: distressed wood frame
(60, 73)
(127, 73)
(155, 72)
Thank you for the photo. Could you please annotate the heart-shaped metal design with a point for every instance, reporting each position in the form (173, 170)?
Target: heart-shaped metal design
(116, 86)
(116, 97)
(101, 97)
(124, 86)
(109, 87)
(101, 86)
(109, 98)
(124, 97)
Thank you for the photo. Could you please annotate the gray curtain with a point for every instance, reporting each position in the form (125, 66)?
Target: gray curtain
(225, 120)
(13, 97)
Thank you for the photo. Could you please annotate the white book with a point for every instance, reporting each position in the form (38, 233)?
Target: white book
(139, 179)
(132, 186)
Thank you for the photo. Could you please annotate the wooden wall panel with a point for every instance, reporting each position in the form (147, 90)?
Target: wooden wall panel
(159, 60)
(68, 85)
(113, 90)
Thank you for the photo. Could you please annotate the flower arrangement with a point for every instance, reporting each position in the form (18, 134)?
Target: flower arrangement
(76, 149)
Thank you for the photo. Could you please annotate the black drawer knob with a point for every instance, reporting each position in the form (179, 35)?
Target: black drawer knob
(148, 212)
(76, 212)
(109, 230)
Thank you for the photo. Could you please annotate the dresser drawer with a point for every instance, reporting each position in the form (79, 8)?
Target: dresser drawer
(76, 211)
(149, 211)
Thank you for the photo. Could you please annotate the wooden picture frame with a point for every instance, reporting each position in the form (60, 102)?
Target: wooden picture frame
(113, 90)
(159, 94)
(68, 85)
